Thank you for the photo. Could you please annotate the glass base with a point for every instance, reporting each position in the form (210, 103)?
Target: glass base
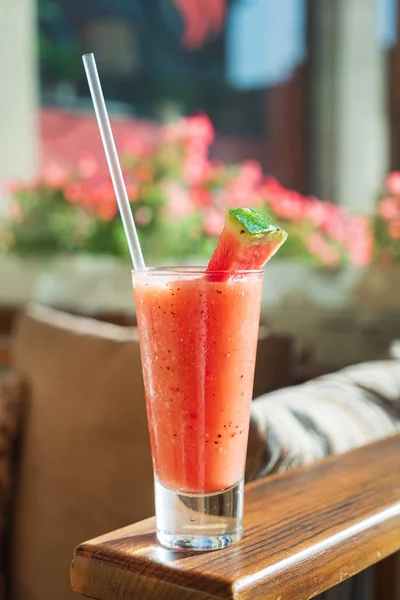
(199, 521)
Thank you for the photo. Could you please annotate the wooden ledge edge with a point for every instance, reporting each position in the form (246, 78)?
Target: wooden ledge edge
(109, 582)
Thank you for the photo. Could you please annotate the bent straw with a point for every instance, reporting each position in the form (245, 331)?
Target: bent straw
(112, 160)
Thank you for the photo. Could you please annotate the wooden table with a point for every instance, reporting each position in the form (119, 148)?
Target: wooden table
(305, 531)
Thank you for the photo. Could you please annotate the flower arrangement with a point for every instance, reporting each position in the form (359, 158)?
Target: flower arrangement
(387, 221)
(179, 198)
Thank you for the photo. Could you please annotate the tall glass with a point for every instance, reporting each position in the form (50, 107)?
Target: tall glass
(198, 339)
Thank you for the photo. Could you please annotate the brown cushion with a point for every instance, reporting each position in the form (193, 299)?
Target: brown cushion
(11, 405)
(86, 466)
(274, 361)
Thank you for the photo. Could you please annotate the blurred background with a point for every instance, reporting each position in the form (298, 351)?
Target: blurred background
(292, 107)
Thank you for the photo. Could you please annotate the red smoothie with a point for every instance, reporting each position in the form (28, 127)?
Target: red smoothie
(198, 340)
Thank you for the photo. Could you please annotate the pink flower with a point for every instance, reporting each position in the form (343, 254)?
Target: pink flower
(213, 222)
(11, 187)
(289, 205)
(200, 18)
(143, 216)
(74, 192)
(138, 147)
(328, 217)
(54, 175)
(195, 166)
(104, 201)
(393, 183)
(201, 197)
(251, 172)
(178, 204)
(389, 208)
(88, 166)
(243, 190)
(321, 213)
(359, 241)
(286, 204)
(394, 229)
(316, 243)
(272, 186)
(94, 195)
(190, 129)
(194, 135)
(199, 127)
(328, 255)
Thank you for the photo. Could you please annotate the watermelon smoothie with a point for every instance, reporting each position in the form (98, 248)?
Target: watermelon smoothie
(198, 340)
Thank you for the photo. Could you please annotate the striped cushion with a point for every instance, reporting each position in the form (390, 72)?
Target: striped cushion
(332, 414)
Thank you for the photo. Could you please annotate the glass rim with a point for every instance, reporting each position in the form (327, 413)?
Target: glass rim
(192, 270)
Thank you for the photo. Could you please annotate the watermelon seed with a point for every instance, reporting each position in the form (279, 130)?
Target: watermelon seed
(242, 231)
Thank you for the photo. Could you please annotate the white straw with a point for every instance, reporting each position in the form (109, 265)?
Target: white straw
(112, 160)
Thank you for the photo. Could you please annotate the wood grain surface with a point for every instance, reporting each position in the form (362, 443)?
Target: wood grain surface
(305, 531)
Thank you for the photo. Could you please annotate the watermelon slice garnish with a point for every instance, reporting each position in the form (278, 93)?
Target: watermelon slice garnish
(248, 241)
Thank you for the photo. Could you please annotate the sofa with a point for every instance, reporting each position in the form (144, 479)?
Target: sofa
(76, 450)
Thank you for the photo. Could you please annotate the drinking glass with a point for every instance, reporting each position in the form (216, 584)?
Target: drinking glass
(198, 339)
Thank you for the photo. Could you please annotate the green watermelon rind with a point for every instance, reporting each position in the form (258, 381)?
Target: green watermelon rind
(248, 221)
(248, 241)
